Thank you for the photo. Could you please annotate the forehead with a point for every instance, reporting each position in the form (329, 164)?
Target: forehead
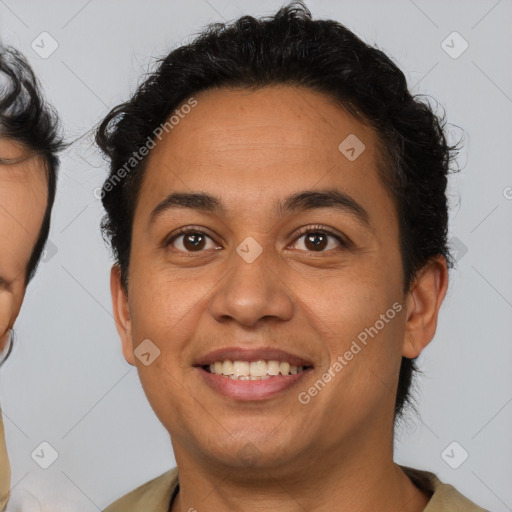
(276, 119)
(23, 198)
(21, 168)
(261, 145)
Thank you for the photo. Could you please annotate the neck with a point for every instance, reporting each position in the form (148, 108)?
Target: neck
(355, 480)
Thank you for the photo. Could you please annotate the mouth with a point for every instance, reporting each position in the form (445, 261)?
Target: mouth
(247, 375)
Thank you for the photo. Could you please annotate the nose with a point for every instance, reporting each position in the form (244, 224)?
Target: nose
(251, 292)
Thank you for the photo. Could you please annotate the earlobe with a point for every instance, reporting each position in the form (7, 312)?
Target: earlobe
(423, 303)
(122, 313)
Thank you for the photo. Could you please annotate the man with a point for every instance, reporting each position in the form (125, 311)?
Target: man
(276, 206)
(29, 141)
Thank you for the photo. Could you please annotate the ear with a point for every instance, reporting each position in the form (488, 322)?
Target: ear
(422, 306)
(122, 313)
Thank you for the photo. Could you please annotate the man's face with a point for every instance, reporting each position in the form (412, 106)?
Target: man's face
(23, 198)
(307, 293)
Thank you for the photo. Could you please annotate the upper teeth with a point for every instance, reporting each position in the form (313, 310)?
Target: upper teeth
(254, 370)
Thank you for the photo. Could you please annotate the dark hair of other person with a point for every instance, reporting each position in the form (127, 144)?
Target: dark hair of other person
(27, 119)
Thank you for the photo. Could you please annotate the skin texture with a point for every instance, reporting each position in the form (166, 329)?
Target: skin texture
(23, 198)
(252, 149)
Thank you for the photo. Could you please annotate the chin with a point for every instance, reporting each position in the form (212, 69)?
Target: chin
(257, 451)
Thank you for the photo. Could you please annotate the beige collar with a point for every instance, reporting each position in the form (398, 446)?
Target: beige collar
(155, 495)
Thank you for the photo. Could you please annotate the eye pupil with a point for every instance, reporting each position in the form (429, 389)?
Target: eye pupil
(197, 238)
(317, 244)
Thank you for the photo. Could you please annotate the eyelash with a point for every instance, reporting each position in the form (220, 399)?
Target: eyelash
(309, 229)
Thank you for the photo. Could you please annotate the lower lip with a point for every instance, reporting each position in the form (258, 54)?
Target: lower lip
(250, 389)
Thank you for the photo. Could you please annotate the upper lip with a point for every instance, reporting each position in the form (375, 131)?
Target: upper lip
(252, 354)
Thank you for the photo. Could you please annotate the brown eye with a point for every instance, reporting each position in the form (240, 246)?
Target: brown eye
(317, 240)
(190, 240)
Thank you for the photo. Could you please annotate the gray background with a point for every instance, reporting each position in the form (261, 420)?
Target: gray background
(67, 382)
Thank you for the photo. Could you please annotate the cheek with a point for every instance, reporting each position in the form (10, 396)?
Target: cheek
(6, 310)
(347, 303)
(166, 312)
(165, 380)
(360, 317)
(164, 308)
(10, 304)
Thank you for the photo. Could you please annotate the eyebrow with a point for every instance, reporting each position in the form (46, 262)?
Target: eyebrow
(301, 201)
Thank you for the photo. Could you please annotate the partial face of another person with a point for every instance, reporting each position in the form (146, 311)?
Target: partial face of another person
(327, 271)
(23, 199)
